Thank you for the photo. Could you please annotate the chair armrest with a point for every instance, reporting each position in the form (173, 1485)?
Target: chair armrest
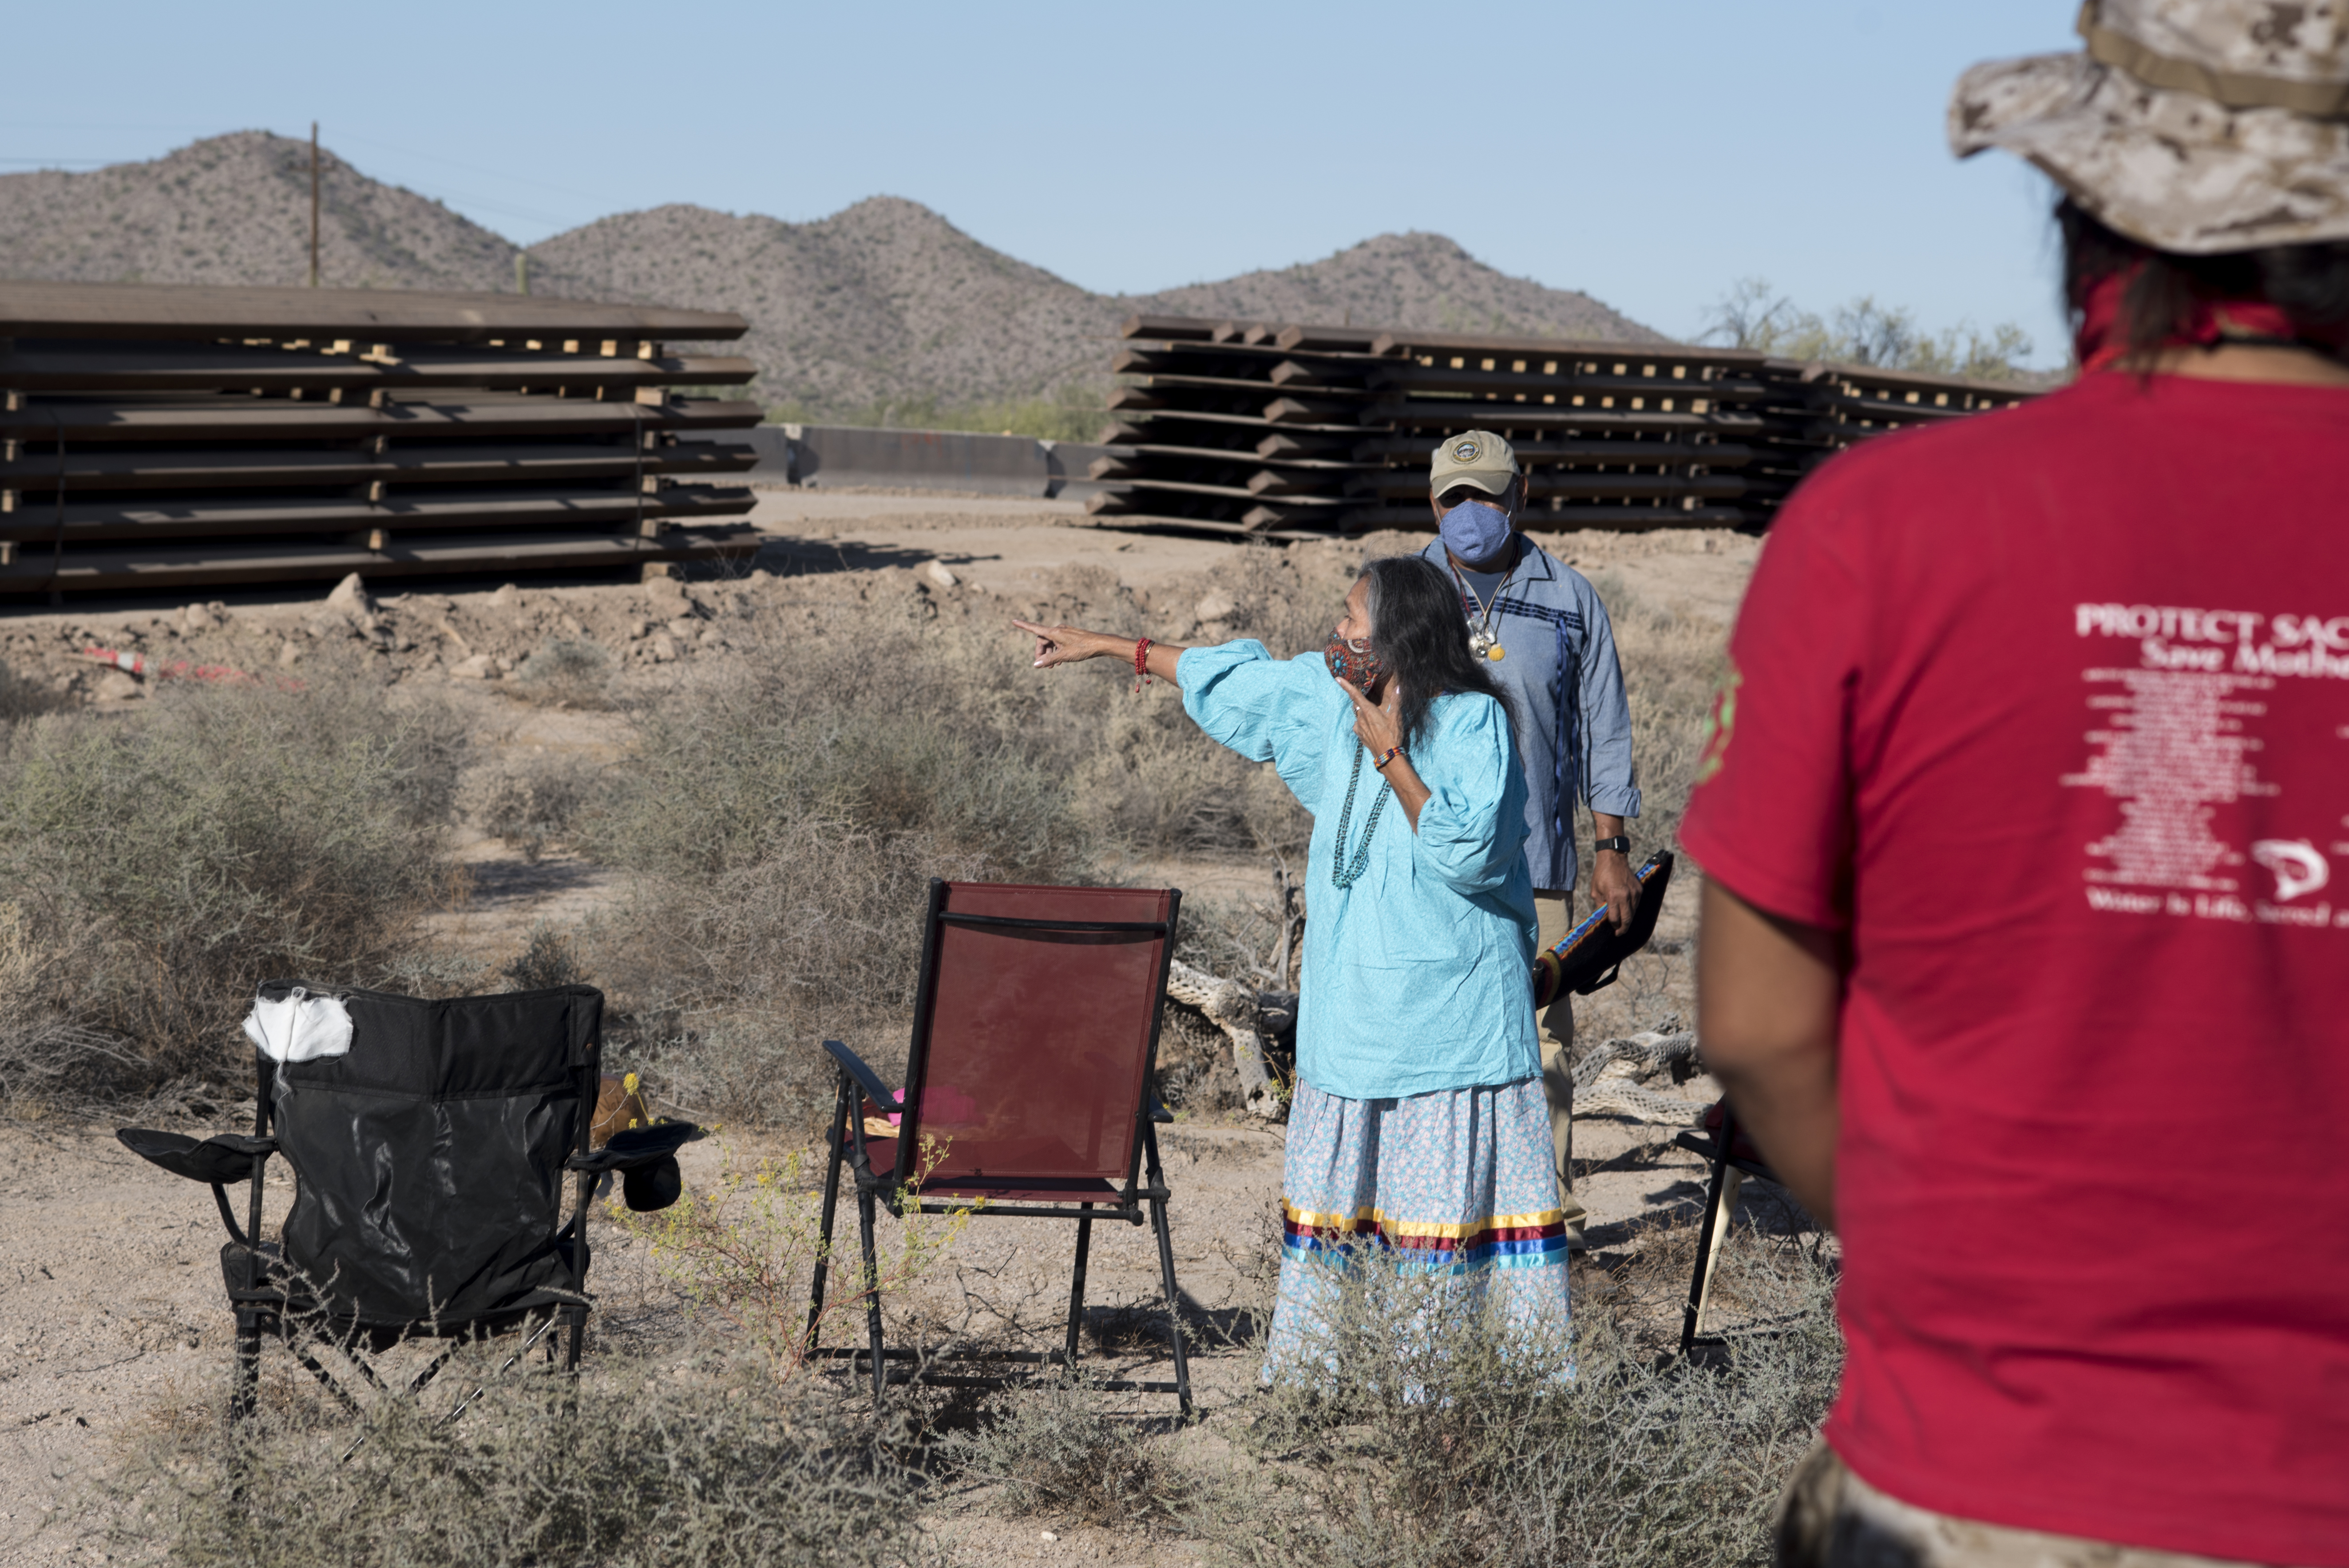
(1158, 1111)
(1709, 1148)
(224, 1158)
(221, 1159)
(866, 1079)
(637, 1147)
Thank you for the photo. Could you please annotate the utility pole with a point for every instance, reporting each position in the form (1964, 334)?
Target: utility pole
(314, 203)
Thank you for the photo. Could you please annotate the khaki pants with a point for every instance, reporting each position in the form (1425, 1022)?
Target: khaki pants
(1556, 914)
(1830, 1518)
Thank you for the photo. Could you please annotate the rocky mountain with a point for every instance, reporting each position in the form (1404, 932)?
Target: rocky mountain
(883, 302)
(1408, 280)
(236, 210)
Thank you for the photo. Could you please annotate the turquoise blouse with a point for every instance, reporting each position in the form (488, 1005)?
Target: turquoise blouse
(1417, 977)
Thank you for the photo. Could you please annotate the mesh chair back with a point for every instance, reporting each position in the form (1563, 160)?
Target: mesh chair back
(1035, 1031)
(430, 1158)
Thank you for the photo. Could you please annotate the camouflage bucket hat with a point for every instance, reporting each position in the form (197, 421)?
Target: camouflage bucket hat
(2194, 126)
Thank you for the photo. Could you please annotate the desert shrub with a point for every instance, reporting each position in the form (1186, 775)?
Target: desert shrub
(881, 725)
(779, 821)
(1153, 782)
(741, 1248)
(220, 836)
(46, 1056)
(1055, 1449)
(549, 958)
(573, 672)
(435, 973)
(21, 699)
(627, 1466)
(1436, 1436)
(530, 802)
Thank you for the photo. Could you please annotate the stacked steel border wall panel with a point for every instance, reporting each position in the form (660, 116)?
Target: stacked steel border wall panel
(166, 435)
(1613, 435)
(1227, 427)
(1289, 432)
(1849, 403)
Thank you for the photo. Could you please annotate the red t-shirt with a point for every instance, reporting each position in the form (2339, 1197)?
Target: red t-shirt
(2049, 708)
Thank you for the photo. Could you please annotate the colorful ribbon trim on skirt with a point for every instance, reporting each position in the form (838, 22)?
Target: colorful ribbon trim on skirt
(1503, 1240)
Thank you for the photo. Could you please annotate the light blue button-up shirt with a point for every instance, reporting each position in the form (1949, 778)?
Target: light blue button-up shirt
(1417, 977)
(1562, 673)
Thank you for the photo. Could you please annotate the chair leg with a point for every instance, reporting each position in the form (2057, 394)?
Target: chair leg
(1174, 1304)
(830, 1208)
(578, 1336)
(1077, 1285)
(241, 1397)
(865, 1206)
(1720, 1203)
(1725, 1214)
(325, 1378)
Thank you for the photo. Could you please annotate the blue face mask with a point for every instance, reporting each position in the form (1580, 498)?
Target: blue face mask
(1476, 532)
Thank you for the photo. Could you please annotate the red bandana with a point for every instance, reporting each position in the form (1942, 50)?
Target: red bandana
(2099, 339)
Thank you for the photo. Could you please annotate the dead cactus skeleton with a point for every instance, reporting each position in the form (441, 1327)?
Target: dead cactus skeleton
(1239, 1011)
(1606, 1081)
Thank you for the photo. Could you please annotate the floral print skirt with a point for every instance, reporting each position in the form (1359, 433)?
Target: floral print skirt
(1457, 1184)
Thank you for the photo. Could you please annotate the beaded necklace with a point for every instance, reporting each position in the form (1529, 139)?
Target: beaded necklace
(1344, 872)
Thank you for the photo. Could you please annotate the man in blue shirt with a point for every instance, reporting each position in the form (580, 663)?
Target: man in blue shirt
(1542, 626)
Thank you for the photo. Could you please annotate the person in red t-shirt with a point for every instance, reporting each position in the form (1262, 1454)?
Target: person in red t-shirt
(2023, 959)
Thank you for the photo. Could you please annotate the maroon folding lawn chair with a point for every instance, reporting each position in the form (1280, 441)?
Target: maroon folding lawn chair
(1035, 1036)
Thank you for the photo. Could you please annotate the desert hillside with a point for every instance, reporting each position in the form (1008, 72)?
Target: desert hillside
(884, 301)
(236, 210)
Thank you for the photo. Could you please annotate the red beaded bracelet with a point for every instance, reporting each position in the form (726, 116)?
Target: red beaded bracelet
(1389, 755)
(1141, 664)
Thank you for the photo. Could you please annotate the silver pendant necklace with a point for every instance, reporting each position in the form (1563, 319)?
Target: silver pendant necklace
(1482, 643)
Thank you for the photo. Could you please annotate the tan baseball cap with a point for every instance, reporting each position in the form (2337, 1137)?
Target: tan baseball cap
(2197, 126)
(1477, 459)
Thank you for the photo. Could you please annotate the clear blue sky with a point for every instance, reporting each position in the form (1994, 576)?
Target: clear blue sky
(1651, 154)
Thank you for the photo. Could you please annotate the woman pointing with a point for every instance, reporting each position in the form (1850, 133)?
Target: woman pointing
(1419, 1123)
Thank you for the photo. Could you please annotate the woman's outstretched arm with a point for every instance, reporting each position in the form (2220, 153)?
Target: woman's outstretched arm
(1057, 645)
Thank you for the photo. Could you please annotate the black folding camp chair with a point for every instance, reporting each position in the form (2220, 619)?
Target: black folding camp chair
(429, 1162)
(1730, 1158)
(1035, 1038)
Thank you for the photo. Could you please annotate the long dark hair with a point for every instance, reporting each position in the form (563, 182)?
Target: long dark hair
(2309, 283)
(1419, 633)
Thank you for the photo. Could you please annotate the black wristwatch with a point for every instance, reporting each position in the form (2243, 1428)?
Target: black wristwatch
(1619, 843)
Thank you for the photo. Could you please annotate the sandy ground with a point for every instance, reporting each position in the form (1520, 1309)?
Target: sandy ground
(110, 1309)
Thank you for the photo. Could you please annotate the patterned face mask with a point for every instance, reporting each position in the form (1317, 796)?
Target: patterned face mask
(1353, 661)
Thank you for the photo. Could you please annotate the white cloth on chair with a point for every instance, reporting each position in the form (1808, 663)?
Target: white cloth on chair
(301, 1028)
